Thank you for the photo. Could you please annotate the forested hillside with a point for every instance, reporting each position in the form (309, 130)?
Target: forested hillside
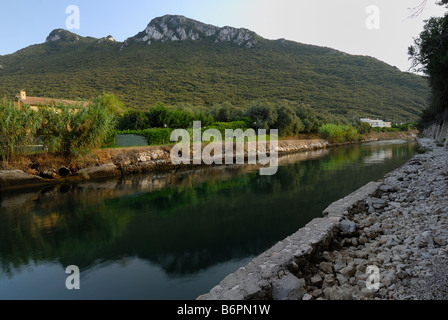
(203, 71)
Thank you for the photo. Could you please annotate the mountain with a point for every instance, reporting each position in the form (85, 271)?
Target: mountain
(180, 60)
(180, 28)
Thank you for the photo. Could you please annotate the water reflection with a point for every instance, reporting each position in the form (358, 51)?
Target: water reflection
(379, 156)
(179, 225)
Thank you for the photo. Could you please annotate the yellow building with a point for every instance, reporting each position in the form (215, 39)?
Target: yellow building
(35, 102)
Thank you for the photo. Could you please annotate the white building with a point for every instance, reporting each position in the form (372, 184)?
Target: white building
(377, 123)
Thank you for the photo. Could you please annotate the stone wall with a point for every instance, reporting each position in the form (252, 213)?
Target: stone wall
(438, 132)
(105, 163)
(272, 275)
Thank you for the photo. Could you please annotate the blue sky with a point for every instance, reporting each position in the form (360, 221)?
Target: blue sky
(340, 24)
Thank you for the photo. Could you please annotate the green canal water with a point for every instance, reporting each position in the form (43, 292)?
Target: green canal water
(171, 236)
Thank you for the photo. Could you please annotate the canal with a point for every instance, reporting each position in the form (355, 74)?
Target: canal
(175, 235)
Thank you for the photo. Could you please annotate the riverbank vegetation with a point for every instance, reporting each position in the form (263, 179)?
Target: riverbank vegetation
(64, 130)
(18, 131)
(71, 131)
(290, 119)
(429, 56)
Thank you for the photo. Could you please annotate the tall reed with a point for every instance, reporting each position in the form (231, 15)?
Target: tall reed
(18, 128)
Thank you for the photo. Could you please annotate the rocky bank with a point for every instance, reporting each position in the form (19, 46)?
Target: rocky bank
(402, 229)
(108, 163)
(41, 169)
(398, 225)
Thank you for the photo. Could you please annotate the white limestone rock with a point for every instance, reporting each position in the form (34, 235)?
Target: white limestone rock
(171, 28)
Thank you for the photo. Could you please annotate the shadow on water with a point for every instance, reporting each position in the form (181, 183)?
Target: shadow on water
(183, 223)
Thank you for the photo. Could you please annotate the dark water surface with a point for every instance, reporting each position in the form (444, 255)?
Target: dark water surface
(171, 236)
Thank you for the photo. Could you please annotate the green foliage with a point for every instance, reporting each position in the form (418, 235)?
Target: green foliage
(424, 150)
(75, 130)
(223, 126)
(339, 134)
(111, 103)
(109, 141)
(405, 126)
(17, 130)
(133, 120)
(154, 137)
(287, 122)
(69, 130)
(309, 118)
(386, 129)
(364, 128)
(162, 116)
(225, 112)
(247, 122)
(203, 73)
(230, 125)
(429, 55)
(263, 114)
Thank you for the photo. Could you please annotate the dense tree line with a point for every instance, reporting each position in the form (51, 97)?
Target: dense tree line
(429, 55)
(289, 118)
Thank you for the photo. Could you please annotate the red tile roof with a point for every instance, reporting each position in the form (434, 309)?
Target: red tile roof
(35, 101)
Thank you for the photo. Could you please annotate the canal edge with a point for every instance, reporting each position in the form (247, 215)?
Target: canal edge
(273, 274)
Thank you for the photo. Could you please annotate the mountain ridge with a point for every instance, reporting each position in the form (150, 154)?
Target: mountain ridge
(180, 28)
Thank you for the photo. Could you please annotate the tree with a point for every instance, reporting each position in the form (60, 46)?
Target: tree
(133, 120)
(225, 112)
(309, 118)
(263, 114)
(111, 103)
(75, 130)
(429, 55)
(287, 121)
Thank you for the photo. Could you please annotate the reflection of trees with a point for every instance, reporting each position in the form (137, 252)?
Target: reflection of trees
(71, 235)
(183, 228)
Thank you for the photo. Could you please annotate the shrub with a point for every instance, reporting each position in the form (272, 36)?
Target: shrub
(109, 141)
(111, 103)
(386, 129)
(339, 134)
(263, 114)
(405, 126)
(225, 112)
(309, 118)
(365, 128)
(230, 125)
(247, 121)
(75, 130)
(18, 129)
(154, 137)
(162, 116)
(287, 121)
(133, 120)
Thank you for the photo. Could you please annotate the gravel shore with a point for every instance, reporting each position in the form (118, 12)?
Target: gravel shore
(402, 230)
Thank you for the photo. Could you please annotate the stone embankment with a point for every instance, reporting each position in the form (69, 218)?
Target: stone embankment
(120, 162)
(392, 234)
(438, 132)
(108, 163)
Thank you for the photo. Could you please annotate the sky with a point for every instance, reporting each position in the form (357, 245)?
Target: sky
(379, 28)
